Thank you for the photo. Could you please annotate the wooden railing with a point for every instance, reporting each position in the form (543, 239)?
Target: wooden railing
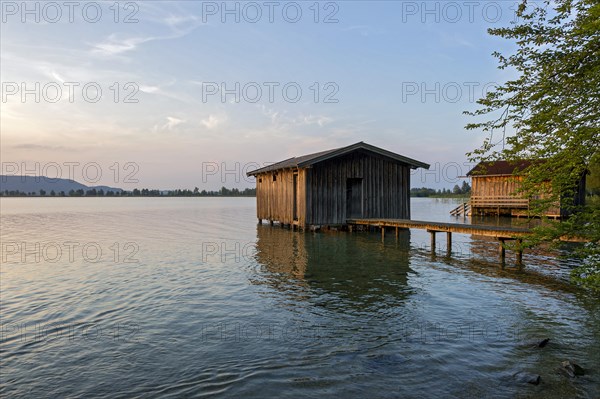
(500, 201)
(463, 209)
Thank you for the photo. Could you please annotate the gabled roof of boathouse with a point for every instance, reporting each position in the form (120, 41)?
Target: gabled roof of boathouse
(499, 168)
(311, 159)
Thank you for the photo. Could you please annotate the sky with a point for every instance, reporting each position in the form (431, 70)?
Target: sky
(184, 94)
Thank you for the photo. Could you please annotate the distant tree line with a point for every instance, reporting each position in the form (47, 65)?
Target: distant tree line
(462, 190)
(223, 192)
(144, 192)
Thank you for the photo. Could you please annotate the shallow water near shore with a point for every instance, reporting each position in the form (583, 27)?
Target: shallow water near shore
(172, 297)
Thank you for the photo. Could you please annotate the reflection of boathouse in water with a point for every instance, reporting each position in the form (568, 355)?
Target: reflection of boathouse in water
(352, 267)
(358, 274)
(329, 187)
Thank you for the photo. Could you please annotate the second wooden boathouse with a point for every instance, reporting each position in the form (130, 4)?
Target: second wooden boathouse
(329, 187)
(495, 191)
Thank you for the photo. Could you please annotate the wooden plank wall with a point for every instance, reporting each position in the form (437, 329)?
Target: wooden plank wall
(386, 192)
(274, 199)
(494, 186)
(497, 186)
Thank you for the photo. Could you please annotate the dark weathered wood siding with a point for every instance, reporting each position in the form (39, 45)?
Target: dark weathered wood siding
(385, 186)
(322, 197)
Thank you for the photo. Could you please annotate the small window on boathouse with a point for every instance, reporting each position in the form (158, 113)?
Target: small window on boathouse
(274, 177)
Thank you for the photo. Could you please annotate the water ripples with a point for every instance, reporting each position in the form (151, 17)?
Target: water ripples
(215, 305)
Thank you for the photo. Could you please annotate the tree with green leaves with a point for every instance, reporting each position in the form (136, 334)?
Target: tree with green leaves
(465, 188)
(551, 112)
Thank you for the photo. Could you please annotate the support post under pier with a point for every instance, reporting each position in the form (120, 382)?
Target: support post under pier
(519, 252)
(432, 240)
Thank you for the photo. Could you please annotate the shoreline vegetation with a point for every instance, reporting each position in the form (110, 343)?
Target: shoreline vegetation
(457, 192)
(247, 192)
(462, 191)
(144, 192)
(423, 192)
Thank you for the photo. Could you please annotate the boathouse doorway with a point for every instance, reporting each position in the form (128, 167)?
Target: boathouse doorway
(354, 198)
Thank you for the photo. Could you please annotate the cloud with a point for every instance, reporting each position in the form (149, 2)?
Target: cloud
(165, 89)
(320, 120)
(31, 146)
(149, 89)
(56, 76)
(268, 112)
(115, 46)
(178, 25)
(174, 21)
(212, 121)
(284, 121)
(172, 122)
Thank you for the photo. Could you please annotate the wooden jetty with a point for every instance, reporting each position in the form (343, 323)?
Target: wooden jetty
(500, 233)
(361, 184)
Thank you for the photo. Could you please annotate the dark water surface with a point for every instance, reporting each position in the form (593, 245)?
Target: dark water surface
(188, 297)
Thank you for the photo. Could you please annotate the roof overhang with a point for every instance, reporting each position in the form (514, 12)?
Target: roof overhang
(413, 163)
(326, 155)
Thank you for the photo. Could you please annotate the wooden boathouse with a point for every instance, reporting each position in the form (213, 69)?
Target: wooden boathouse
(495, 187)
(363, 186)
(329, 187)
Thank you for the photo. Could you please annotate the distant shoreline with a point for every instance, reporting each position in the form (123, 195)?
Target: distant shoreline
(128, 196)
(457, 196)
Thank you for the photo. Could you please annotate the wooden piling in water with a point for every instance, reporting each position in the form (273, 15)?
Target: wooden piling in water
(432, 232)
(502, 234)
(502, 250)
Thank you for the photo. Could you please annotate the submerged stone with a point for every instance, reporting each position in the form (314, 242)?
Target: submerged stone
(529, 378)
(543, 343)
(572, 369)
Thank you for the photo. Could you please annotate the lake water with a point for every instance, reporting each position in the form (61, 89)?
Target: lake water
(189, 297)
